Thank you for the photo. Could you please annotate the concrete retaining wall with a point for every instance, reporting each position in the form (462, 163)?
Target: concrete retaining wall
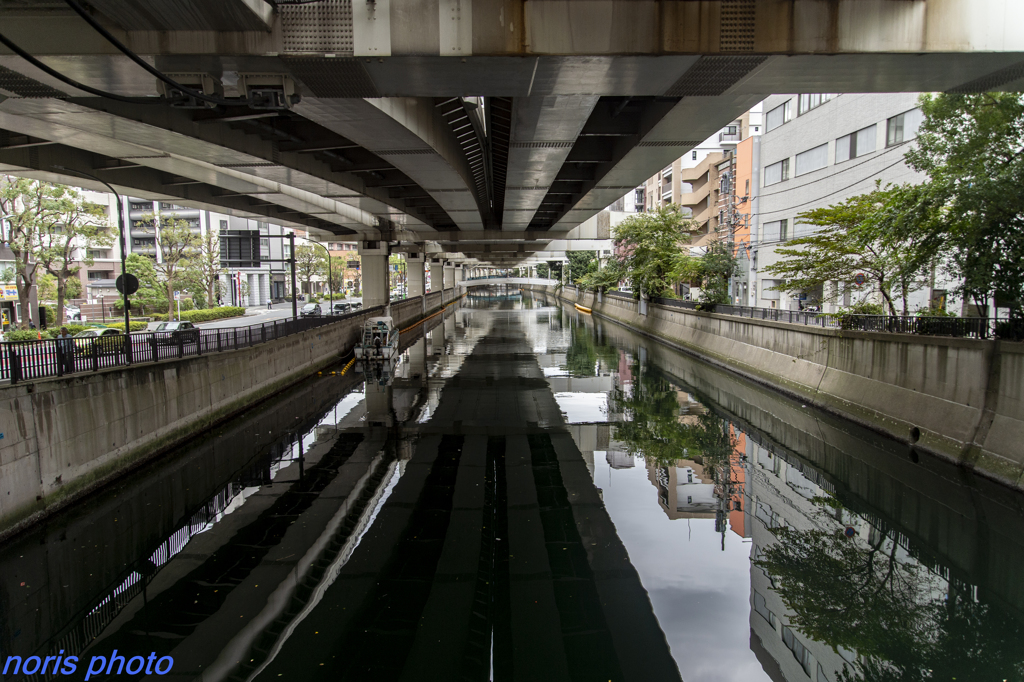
(960, 399)
(62, 437)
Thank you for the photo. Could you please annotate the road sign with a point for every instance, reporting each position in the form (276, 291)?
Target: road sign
(859, 279)
(177, 295)
(129, 280)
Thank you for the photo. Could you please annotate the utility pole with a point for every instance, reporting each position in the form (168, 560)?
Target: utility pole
(291, 259)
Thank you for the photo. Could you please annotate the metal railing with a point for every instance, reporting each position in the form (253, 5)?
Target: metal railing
(25, 360)
(960, 327)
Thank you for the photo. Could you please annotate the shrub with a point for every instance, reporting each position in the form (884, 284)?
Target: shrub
(212, 313)
(51, 315)
(22, 335)
(865, 308)
(136, 326)
(159, 317)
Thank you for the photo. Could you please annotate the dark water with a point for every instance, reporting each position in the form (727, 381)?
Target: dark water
(531, 494)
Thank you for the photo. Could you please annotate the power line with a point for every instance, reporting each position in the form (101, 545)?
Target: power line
(145, 65)
(842, 189)
(70, 81)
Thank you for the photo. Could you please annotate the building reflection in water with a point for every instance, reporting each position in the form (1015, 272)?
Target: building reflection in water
(837, 591)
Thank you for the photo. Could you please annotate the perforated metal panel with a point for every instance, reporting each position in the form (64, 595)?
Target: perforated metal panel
(668, 143)
(324, 26)
(23, 86)
(325, 77)
(404, 152)
(563, 144)
(736, 33)
(992, 81)
(712, 76)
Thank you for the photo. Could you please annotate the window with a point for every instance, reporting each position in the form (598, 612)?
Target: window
(746, 188)
(761, 607)
(800, 652)
(777, 230)
(812, 159)
(777, 172)
(223, 224)
(855, 144)
(812, 101)
(99, 253)
(779, 115)
(693, 155)
(265, 242)
(99, 274)
(903, 127)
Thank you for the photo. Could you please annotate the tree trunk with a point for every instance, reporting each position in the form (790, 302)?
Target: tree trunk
(170, 299)
(61, 290)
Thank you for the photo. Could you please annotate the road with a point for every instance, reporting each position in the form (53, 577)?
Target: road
(278, 311)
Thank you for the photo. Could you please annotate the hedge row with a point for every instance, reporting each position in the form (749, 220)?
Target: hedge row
(136, 326)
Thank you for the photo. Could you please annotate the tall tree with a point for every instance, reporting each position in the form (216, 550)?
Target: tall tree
(971, 148)
(712, 272)
(179, 247)
(152, 293)
(649, 248)
(63, 246)
(27, 207)
(581, 264)
(309, 263)
(206, 266)
(855, 236)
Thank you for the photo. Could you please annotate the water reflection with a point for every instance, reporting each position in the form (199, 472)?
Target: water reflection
(836, 592)
(529, 493)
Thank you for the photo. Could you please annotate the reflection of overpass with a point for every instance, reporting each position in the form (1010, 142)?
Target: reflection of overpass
(351, 119)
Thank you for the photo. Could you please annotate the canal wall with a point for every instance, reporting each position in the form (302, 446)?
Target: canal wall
(959, 399)
(61, 438)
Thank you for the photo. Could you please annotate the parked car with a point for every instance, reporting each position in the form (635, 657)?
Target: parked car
(173, 333)
(72, 313)
(356, 305)
(341, 308)
(310, 310)
(100, 341)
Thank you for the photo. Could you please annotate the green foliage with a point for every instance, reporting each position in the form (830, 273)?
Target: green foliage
(180, 248)
(934, 312)
(712, 272)
(136, 326)
(543, 270)
(605, 279)
(151, 293)
(581, 264)
(971, 211)
(310, 262)
(212, 313)
(47, 284)
(860, 235)
(865, 308)
(22, 335)
(51, 315)
(648, 248)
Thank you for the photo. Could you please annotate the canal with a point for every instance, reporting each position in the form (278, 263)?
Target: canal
(530, 494)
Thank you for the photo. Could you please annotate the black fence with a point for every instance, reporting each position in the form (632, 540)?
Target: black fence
(24, 360)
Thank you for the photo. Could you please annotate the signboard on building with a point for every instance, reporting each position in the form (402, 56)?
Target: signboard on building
(10, 292)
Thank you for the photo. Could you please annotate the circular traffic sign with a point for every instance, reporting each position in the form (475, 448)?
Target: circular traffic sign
(127, 280)
(859, 279)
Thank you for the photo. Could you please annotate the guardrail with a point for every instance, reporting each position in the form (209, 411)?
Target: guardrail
(23, 360)
(960, 327)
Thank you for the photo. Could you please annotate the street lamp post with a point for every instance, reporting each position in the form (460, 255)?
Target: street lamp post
(124, 262)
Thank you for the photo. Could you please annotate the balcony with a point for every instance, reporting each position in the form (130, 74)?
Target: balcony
(726, 137)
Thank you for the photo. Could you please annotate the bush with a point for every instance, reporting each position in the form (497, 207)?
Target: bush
(22, 335)
(51, 315)
(136, 326)
(159, 317)
(865, 308)
(934, 312)
(212, 313)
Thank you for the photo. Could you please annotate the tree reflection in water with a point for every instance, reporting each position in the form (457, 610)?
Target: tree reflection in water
(902, 619)
(849, 581)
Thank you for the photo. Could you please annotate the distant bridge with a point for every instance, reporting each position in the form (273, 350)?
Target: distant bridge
(490, 281)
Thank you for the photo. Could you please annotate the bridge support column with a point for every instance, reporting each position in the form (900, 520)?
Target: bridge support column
(374, 257)
(415, 277)
(449, 275)
(436, 275)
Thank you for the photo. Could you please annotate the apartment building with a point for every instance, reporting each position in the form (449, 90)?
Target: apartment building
(818, 150)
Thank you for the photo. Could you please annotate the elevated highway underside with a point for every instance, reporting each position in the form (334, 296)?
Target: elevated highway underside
(473, 130)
